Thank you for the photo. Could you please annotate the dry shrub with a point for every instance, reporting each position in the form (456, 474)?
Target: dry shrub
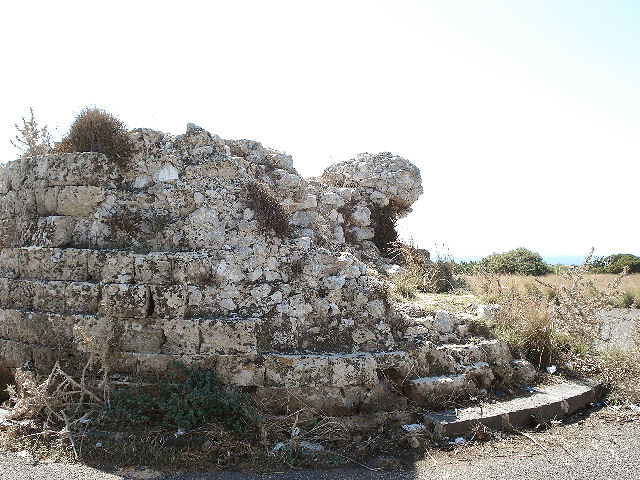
(31, 139)
(6, 379)
(95, 130)
(546, 321)
(269, 212)
(420, 272)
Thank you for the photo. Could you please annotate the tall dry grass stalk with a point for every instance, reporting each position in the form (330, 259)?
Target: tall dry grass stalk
(545, 321)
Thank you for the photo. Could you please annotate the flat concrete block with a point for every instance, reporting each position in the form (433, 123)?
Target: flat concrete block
(546, 403)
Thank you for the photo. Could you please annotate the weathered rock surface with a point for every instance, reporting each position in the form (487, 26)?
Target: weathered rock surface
(166, 260)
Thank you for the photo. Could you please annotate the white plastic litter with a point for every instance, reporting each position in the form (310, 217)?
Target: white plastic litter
(414, 427)
(551, 369)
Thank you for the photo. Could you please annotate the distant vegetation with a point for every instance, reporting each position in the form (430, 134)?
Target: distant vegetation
(516, 262)
(615, 264)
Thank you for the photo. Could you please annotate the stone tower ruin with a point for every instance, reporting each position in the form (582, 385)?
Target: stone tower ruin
(218, 253)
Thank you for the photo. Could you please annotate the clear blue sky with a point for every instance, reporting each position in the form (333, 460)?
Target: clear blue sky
(523, 116)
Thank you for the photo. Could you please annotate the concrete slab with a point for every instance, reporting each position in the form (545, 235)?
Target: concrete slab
(545, 403)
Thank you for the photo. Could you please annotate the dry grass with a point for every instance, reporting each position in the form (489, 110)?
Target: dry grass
(421, 274)
(555, 320)
(600, 281)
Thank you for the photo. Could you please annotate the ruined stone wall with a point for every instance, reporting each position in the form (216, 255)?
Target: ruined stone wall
(164, 260)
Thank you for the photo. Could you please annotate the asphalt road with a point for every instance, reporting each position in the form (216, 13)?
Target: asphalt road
(602, 446)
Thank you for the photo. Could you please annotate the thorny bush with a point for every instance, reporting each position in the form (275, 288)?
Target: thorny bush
(95, 130)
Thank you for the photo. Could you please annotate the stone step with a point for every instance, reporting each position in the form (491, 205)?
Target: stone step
(441, 389)
(456, 358)
(543, 404)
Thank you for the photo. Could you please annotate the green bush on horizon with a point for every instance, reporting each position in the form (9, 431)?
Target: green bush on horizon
(519, 261)
(615, 263)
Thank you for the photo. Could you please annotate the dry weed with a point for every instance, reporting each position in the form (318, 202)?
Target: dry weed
(545, 321)
(421, 273)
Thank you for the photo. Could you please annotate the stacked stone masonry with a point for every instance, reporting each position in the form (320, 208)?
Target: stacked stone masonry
(164, 260)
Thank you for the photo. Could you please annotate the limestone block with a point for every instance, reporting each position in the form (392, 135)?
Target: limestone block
(122, 300)
(480, 374)
(7, 232)
(110, 267)
(169, 301)
(20, 294)
(361, 216)
(497, 351)
(239, 370)
(30, 260)
(82, 297)
(141, 336)
(438, 387)
(332, 200)
(230, 336)
(154, 268)
(79, 201)
(361, 233)
(4, 291)
(303, 218)
(7, 204)
(37, 328)
(310, 201)
(14, 354)
(49, 296)
(93, 333)
(53, 231)
(522, 371)
(227, 271)
(444, 322)
(11, 324)
(317, 370)
(182, 336)
(64, 264)
(10, 262)
(74, 169)
(25, 202)
(192, 268)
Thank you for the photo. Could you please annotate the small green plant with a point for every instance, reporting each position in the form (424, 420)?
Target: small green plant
(185, 398)
(32, 139)
(519, 262)
(95, 130)
(269, 212)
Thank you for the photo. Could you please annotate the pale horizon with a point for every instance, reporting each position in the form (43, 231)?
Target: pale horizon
(522, 117)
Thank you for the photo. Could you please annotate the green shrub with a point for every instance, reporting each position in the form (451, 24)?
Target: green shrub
(95, 130)
(185, 398)
(616, 263)
(268, 211)
(519, 262)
